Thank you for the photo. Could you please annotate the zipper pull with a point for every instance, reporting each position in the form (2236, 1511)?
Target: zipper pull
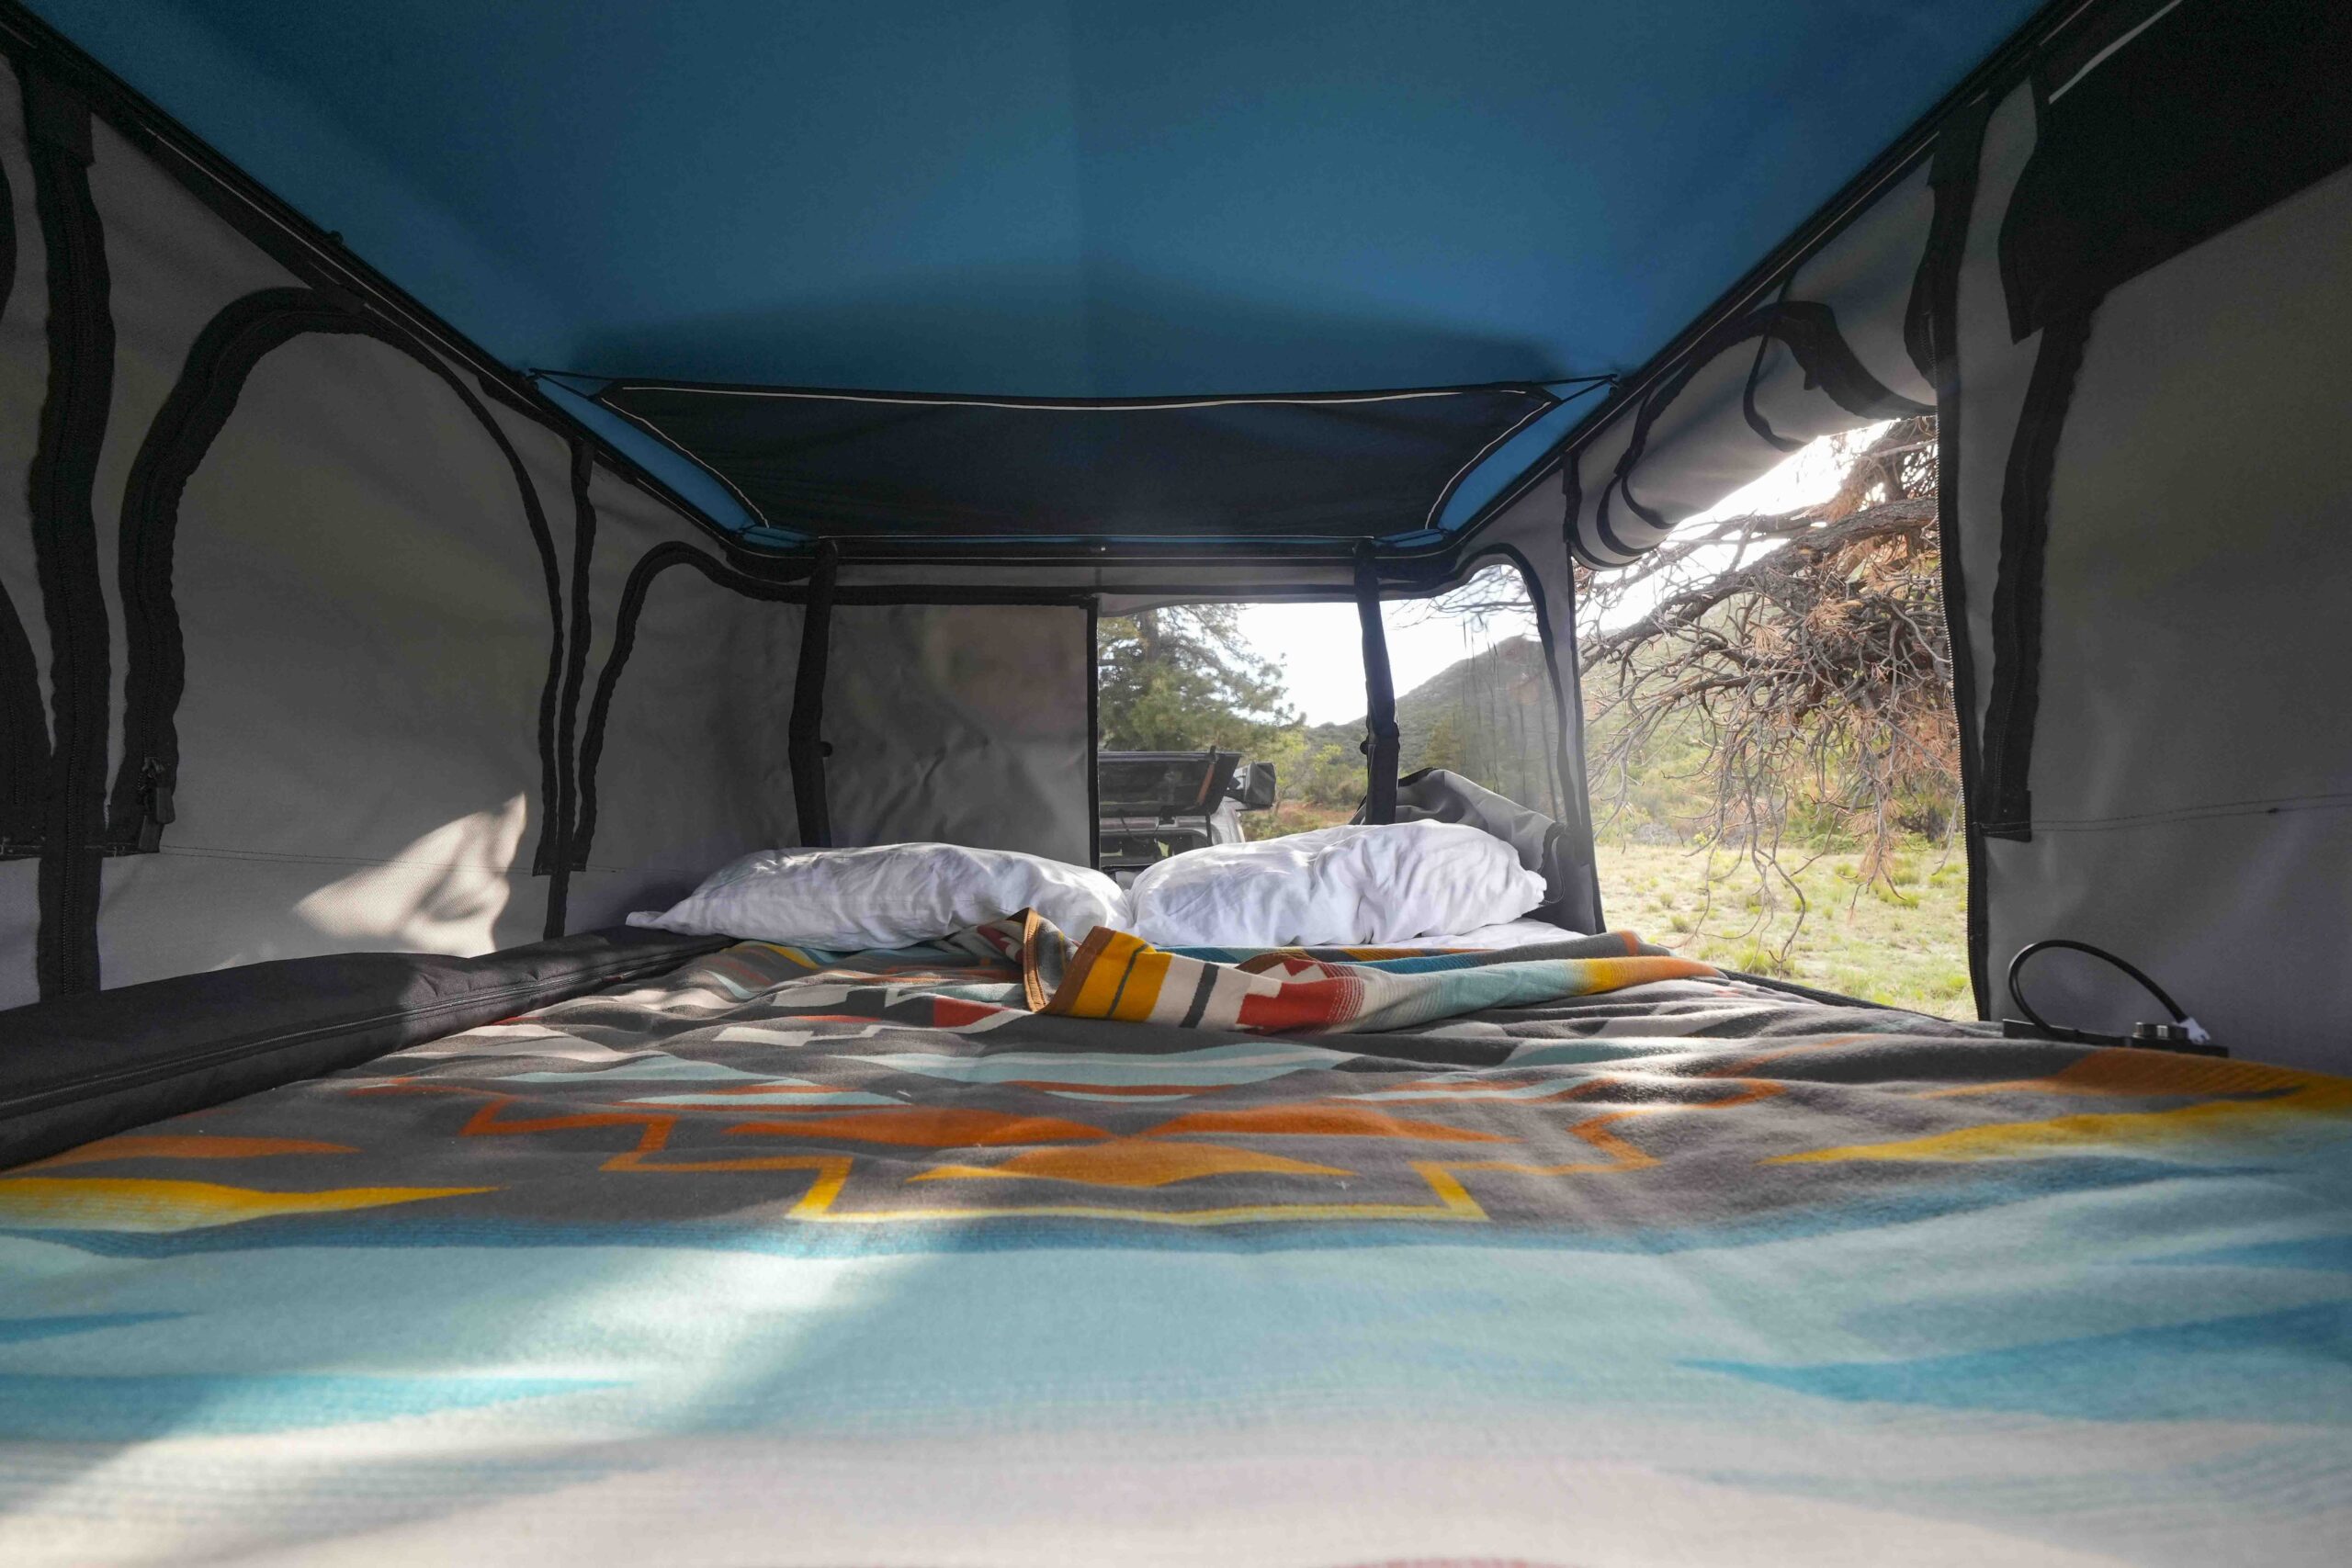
(156, 804)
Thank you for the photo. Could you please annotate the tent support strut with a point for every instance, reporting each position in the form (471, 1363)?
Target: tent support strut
(1380, 743)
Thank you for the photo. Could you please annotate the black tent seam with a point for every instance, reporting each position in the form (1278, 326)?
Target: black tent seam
(2006, 809)
(805, 735)
(24, 728)
(1601, 523)
(240, 335)
(1932, 336)
(1381, 739)
(556, 860)
(65, 544)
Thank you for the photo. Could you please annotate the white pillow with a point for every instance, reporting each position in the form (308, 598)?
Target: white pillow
(1350, 886)
(889, 895)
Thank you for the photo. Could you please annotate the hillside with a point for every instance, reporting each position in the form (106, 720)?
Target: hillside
(1490, 716)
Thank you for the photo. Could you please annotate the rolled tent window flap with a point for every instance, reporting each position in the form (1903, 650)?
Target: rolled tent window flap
(1825, 353)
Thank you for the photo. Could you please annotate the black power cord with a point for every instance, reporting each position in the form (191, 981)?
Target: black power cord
(2184, 1033)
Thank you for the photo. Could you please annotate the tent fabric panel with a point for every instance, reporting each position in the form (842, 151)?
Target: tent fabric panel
(350, 557)
(2239, 915)
(383, 734)
(691, 765)
(2195, 124)
(2218, 564)
(866, 465)
(964, 724)
(2154, 621)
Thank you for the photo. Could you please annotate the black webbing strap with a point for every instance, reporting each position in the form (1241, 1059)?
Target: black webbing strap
(24, 728)
(1380, 698)
(650, 567)
(556, 845)
(24, 740)
(65, 541)
(805, 743)
(2004, 806)
(1755, 420)
(1931, 334)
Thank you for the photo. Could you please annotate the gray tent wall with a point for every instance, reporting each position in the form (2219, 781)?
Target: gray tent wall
(2159, 561)
(2165, 756)
(322, 583)
(970, 724)
(321, 638)
(681, 745)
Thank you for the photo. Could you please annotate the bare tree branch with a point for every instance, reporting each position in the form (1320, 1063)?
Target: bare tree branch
(1800, 663)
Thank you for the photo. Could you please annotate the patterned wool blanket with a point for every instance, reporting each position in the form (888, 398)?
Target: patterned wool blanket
(1293, 990)
(798, 1259)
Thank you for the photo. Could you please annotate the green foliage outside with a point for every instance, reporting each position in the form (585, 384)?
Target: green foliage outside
(1898, 937)
(1184, 679)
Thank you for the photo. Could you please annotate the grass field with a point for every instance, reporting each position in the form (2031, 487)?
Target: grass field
(1905, 945)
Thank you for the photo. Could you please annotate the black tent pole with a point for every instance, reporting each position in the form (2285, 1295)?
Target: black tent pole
(1380, 696)
(805, 742)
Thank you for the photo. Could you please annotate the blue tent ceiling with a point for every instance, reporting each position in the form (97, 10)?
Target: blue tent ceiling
(1054, 198)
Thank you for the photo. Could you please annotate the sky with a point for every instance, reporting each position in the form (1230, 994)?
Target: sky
(1321, 647)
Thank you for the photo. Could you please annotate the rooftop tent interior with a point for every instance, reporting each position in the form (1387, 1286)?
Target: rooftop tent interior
(467, 471)
(406, 552)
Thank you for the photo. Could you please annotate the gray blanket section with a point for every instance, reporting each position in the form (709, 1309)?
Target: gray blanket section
(87, 1067)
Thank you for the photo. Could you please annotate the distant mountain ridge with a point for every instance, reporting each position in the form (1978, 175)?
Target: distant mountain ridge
(1488, 715)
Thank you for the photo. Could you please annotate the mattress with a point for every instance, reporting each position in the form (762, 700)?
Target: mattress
(790, 1258)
